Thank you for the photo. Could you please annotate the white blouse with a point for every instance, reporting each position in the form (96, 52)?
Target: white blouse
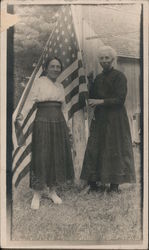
(42, 90)
(45, 90)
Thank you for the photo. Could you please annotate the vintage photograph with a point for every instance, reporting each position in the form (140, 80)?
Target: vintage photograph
(75, 161)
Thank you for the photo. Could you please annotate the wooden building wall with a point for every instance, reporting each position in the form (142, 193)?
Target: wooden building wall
(131, 68)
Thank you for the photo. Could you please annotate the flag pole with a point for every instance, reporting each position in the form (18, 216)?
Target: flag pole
(22, 101)
(78, 119)
(81, 45)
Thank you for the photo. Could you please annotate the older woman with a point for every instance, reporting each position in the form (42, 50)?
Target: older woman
(51, 152)
(109, 154)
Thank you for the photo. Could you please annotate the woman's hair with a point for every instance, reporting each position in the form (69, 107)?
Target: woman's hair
(46, 64)
(109, 50)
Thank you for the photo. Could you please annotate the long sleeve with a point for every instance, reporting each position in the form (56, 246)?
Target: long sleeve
(120, 92)
(92, 90)
(31, 99)
(65, 111)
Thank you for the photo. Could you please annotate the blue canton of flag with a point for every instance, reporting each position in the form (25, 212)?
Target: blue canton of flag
(64, 45)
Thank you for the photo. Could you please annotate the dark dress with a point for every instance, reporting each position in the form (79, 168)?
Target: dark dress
(109, 154)
(51, 162)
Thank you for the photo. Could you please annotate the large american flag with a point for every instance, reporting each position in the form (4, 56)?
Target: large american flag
(63, 44)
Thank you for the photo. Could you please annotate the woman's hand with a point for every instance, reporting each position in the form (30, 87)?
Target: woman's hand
(70, 137)
(95, 102)
(35, 99)
(90, 76)
(19, 117)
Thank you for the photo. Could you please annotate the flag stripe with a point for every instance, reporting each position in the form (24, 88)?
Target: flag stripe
(23, 164)
(81, 79)
(72, 94)
(72, 77)
(82, 87)
(67, 72)
(74, 100)
(15, 152)
(29, 115)
(70, 87)
(22, 174)
(80, 64)
(74, 109)
(28, 132)
(30, 121)
(25, 153)
(21, 150)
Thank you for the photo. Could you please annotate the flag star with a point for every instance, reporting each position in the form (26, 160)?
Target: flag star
(69, 27)
(63, 9)
(57, 14)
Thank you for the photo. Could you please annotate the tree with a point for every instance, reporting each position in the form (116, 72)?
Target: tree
(30, 36)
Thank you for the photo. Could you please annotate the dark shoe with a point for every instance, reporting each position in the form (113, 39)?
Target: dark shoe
(109, 191)
(101, 188)
(93, 186)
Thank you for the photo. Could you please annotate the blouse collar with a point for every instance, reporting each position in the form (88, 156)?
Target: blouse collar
(106, 72)
(57, 84)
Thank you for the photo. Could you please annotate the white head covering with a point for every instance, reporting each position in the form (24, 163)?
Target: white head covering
(111, 52)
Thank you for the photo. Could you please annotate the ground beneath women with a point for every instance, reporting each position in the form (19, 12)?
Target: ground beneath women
(81, 216)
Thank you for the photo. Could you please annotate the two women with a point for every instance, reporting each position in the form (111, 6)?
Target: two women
(109, 154)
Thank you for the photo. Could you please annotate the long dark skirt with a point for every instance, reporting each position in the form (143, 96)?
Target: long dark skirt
(51, 152)
(109, 154)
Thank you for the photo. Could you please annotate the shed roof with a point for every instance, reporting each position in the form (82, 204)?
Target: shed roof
(117, 26)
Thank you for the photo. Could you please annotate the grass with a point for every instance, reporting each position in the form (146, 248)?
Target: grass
(81, 216)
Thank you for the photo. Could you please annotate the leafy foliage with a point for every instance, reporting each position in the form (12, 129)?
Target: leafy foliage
(30, 36)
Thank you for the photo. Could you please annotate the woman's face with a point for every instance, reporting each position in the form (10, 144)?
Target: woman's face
(106, 60)
(54, 69)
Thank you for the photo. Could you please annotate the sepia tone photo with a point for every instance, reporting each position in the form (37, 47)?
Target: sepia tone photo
(75, 168)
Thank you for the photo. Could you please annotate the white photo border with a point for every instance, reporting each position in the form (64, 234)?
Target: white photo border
(5, 220)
